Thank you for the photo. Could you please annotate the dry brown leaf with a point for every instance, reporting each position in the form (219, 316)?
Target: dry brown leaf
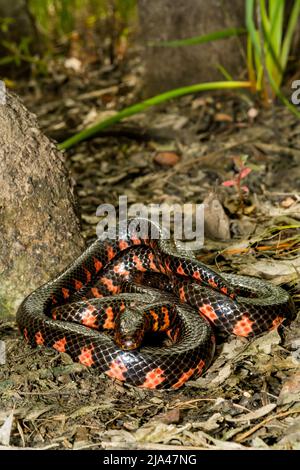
(216, 222)
(279, 271)
(210, 424)
(169, 417)
(263, 344)
(37, 412)
(5, 429)
(290, 391)
(159, 432)
(288, 202)
(264, 410)
(291, 439)
(84, 410)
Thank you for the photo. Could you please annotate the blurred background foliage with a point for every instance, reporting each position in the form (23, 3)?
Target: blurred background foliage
(68, 27)
(100, 31)
(57, 19)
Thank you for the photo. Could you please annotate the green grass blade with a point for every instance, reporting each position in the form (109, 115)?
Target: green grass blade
(264, 31)
(272, 60)
(250, 65)
(258, 61)
(7, 60)
(292, 23)
(276, 21)
(225, 72)
(217, 35)
(264, 15)
(142, 106)
(282, 98)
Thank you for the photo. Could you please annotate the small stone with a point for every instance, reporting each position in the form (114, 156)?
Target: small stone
(287, 202)
(222, 117)
(166, 158)
(252, 113)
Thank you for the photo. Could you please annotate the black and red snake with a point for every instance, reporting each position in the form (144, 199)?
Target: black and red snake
(107, 307)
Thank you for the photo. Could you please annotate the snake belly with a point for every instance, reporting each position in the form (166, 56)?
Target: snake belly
(188, 301)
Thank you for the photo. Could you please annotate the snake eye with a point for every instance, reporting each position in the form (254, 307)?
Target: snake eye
(128, 345)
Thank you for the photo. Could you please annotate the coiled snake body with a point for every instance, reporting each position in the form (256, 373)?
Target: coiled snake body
(122, 292)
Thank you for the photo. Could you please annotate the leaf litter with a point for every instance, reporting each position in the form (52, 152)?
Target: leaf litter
(182, 152)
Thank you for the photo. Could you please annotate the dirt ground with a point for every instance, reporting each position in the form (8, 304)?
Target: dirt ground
(181, 152)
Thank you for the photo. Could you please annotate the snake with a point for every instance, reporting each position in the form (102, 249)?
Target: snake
(145, 312)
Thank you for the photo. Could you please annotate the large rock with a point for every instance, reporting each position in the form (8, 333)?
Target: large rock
(40, 231)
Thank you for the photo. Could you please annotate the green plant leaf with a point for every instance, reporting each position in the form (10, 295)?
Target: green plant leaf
(272, 60)
(276, 21)
(292, 23)
(144, 105)
(7, 60)
(217, 35)
(282, 98)
(225, 72)
(252, 29)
